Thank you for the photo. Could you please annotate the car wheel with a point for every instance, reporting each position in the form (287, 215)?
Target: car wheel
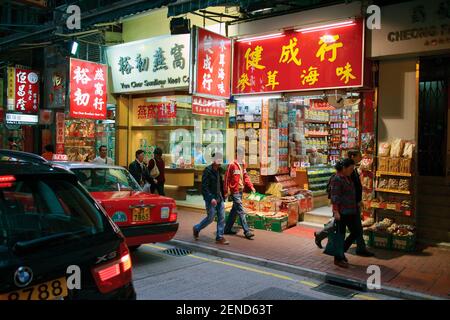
(133, 248)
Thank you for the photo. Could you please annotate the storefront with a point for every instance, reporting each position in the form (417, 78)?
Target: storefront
(156, 108)
(412, 50)
(90, 121)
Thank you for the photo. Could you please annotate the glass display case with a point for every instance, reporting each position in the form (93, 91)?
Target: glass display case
(318, 179)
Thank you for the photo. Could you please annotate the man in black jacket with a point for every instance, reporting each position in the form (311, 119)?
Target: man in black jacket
(139, 170)
(361, 249)
(214, 196)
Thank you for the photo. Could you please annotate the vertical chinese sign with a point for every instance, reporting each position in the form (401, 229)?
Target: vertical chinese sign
(88, 89)
(60, 118)
(212, 70)
(308, 59)
(26, 91)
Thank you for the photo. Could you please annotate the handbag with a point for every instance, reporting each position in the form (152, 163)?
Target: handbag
(154, 173)
(335, 244)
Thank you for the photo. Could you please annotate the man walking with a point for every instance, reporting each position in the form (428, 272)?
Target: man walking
(103, 158)
(139, 170)
(214, 195)
(236, 178)
(361, 249)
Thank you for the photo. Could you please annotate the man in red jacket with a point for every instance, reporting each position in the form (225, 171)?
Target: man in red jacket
(236, 178)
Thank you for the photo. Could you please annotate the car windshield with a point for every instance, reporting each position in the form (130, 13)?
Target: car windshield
(45, 209)
(106, 179)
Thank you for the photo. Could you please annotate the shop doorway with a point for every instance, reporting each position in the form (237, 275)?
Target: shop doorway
(433, 115)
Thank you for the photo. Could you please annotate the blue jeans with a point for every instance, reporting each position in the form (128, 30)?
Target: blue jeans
(237, 209)
(211, 211)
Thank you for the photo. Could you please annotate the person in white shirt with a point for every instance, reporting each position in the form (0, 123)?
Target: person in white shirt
(103, 158)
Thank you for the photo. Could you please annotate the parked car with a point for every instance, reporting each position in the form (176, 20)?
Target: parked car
(143, 217)
(51, 228)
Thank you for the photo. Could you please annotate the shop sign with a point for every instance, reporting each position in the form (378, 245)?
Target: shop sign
(413, 27)
(300, 60)
(26, 93)
(60, 157)
(1, 92)
(45, 117)
(212, 69)
(60, 121)
(153, 64)
(20, 118)
(249, 110)
(318, 104)
(208, 107)
(11, 88)
(88, 89)
(157, 111)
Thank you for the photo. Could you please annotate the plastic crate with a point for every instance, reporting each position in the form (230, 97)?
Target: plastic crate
(368, 238)
(382, 240)
(407, 244)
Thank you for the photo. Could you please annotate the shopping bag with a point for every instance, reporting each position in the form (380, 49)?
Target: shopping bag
(335, 244)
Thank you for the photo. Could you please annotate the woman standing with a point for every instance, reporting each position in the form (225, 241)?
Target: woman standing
(345, 210)
(159, 179)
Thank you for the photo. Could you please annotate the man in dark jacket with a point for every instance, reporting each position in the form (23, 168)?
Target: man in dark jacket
(139, 170)
(361, 249)
(214, 195)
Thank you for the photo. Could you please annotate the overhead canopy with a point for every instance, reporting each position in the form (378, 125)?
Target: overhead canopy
(248, 6)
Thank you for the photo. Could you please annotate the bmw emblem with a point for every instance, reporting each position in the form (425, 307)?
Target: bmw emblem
(23, 277)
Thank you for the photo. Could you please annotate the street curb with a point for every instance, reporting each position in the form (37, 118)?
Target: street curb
(301, 271)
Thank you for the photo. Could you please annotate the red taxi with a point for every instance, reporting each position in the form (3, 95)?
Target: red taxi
(142, 217)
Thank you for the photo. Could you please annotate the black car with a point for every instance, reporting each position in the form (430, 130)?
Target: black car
(56, 242)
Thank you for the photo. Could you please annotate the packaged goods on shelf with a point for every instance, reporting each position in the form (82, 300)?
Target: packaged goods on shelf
(383, 164)
(394, 164)
(397, 147)
(408, 150)
(403, 184)
(384, 149)
(405, 165)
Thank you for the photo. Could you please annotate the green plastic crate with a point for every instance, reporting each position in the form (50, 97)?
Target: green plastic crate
(382, 240)
(407, 244)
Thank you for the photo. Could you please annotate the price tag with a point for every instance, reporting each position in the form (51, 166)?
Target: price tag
(391, 206)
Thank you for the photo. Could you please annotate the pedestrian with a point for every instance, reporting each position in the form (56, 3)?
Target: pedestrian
(12, 145)
(103, 157)
(361, 249)
(157, 175)
(139, 170)
(49, 150)
(236, 178)
(345, 211)
(214, 195)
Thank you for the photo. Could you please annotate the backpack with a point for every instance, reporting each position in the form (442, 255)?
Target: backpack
(329, 185)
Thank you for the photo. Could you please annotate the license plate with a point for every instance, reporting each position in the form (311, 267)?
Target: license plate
(141, 217)
(165, 212)
(50, 290)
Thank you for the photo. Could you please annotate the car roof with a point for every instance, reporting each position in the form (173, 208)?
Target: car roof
(84, 165)
(23, 163)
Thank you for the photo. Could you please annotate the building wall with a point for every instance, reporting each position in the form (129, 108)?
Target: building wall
(397, 108)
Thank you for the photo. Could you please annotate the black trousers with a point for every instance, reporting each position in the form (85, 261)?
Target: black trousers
(158, 187)
(353, 223)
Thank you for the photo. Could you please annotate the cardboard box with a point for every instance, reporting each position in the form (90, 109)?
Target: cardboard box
(276, 224)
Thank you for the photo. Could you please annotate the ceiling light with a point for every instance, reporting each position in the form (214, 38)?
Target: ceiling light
(74, 49)
(342, 24)
(264, 37)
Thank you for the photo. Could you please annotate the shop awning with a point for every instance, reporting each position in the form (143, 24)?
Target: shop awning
(186, 6)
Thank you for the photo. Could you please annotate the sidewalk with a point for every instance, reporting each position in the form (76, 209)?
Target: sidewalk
(426, 271)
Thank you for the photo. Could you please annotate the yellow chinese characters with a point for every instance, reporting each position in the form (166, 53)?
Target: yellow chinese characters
(271, 79)
(289, 53)
(345, 73)
(328, 43)
(311, 77)
(243, 82)
(253, 58)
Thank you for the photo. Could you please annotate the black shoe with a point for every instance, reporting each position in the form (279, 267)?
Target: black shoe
(195, 233)
(249, 235)
(316, 240)
(231, 232)
(365, 253)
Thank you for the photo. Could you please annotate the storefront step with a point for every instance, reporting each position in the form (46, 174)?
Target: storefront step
(316, 218)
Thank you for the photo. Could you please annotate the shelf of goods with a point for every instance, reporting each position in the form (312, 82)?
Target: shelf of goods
(394, 223)
(318, 179)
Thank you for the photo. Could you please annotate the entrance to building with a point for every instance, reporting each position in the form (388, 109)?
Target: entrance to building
(433, 150)
(433, 115)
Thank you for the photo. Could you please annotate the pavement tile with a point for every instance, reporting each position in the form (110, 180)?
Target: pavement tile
(426, 271)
